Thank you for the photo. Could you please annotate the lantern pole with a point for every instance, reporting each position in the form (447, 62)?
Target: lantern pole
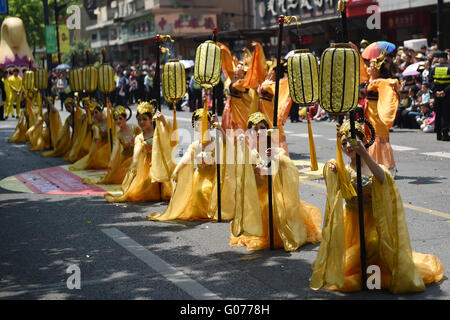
(88, 93)
(74, 104)
(275, 126)
(158, 73)
(108, 107)
(343, 9)
(219, 195)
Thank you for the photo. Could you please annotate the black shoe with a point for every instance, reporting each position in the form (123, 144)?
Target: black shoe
(446, 138)
(439, 137)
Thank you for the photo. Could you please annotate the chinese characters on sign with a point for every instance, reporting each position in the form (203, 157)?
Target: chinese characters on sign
(267, 11)
(183, 24)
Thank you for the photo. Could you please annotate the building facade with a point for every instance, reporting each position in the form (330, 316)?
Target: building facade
(127, 28)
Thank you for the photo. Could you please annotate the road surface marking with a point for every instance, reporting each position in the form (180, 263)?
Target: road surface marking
(402, 148)
(304, 135)
(178, 278)
(405, 205)
(437, 154)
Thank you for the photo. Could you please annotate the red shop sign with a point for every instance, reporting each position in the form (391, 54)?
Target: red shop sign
(358, 8)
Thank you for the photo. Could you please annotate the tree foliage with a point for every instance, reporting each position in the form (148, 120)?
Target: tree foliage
(80, 47)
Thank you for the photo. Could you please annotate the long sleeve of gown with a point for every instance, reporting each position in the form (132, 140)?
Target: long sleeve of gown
(329, 265)
(257, 69)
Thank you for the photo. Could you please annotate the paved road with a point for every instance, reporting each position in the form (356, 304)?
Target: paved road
(123, 256)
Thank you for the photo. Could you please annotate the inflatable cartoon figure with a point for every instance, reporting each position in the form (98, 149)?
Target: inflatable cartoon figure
(14, 49)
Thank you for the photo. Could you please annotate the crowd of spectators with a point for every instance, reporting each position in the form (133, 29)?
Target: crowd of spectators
(416, 107)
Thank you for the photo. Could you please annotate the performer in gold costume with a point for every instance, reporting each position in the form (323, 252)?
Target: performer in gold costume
(63, 142)
(338, 264)
(100, 150)
(245, 79)
(195, 193)
(28, 117)
(296, 222)
(38, 136)
(151, 158)
(266, 93)
(123, 146)
(82, 133)
(383, 97)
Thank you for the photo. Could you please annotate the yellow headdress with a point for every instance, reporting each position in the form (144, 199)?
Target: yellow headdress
(146, 107)
(197, 115)
(68, 101)
(93, 105)
(256, 118)
(118, 111)
(344, 130)
(378, 62)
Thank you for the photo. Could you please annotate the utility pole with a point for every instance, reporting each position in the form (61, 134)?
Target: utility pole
(440, 31)
(47, 22)
(57, 8)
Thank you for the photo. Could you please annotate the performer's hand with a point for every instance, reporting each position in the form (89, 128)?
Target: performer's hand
(214, 118)
(359, 148)
(333, 167)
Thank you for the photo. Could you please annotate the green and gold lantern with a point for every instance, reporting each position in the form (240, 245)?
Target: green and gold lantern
(90, 78)
(173, 81)
(303, 76)
(28, 80)
(76, 79)
(106, 83)
(339, 79)
(208, 62)
(174, 88)
(41, 79)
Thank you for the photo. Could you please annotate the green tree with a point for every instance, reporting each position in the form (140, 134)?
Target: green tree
(80, 47)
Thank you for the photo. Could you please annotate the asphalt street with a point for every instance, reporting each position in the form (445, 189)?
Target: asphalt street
(121, 255)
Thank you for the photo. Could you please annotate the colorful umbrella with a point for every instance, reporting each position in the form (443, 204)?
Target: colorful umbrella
(375, 49)
(412, 69)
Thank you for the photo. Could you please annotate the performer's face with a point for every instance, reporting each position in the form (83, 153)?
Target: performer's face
(98, 115)
(347, 146)
(120, 121)
(144, 122)
(69, 107)
(373, 71)
(198, 125)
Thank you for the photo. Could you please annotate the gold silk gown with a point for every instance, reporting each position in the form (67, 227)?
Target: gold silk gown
(138, 184)
(240, 104)
(195, 191)
(63, 142)
(295, 222)
(38, 137)
(99, 152)
(338, 264)
(82, 138)
(244, 99)
(382, 103)
(27, 119)
(266, 93)
(121, 158)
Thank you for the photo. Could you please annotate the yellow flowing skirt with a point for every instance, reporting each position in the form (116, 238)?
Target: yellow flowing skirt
(97, 158)
(63, 143)
(137, 185)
